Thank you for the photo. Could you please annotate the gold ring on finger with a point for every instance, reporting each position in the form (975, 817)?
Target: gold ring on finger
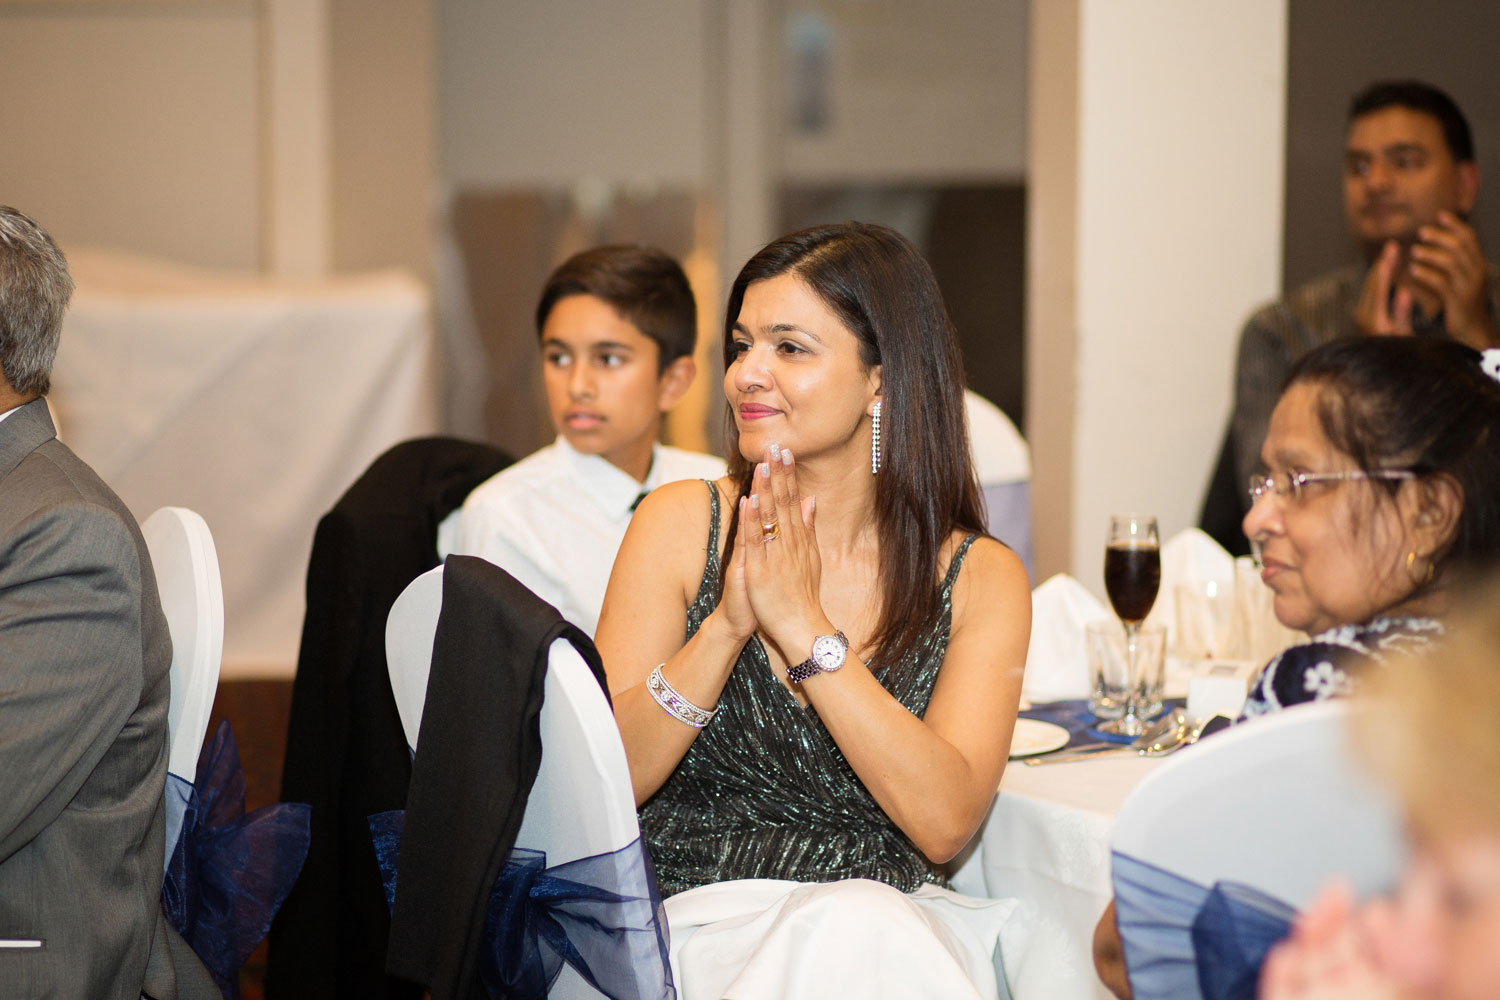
(770, 532)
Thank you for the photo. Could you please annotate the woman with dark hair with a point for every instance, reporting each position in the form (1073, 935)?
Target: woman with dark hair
(1381, 481)
(1382, 477)
(841, 709)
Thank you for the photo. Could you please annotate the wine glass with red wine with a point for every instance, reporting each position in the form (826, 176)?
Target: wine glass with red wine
(1132, 576)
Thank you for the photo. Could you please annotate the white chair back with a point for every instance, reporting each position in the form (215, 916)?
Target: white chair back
(1002, 463)
(582, 803)
(192, 597)
(1278, 803)
(410, 630)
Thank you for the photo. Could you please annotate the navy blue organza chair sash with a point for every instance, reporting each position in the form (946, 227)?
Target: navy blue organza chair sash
(228, 872)
(602, 915)
(1186, 940)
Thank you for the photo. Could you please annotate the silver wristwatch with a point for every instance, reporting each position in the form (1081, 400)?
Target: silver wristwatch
(828, 652)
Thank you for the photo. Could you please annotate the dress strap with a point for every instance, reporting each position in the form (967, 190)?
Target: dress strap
(956, 563)
(713, 527)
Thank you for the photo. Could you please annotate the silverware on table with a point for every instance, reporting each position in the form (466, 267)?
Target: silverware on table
(1160, 738)
(1079, 754)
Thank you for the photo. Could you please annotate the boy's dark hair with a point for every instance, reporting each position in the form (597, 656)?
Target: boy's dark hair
(645, 285)
(1418, 96)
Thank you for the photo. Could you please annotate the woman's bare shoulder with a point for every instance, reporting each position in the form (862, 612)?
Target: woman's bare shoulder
(686, 497)
(674, 518)
(992, 576)
(682, 502)
(660, 562)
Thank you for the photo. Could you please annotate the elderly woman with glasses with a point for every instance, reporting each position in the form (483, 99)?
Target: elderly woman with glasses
(1382, 474)
(1382, 478)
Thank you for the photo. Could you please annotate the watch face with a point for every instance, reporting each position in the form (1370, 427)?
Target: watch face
(828, 652)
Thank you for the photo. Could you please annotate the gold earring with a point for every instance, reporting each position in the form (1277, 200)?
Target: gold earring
(1411, 561)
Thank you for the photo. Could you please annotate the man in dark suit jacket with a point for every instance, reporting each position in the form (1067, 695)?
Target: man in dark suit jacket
(84, 661)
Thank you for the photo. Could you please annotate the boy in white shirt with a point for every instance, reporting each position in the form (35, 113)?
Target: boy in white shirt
(617, 325)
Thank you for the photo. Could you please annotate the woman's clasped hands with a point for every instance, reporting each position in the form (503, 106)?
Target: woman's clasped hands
(774, 575)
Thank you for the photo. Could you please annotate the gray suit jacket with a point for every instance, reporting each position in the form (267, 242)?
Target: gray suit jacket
(84, 660)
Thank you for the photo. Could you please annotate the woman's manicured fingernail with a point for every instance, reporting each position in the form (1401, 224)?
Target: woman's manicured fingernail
(755, 501)
(765, 470)
(775, 452)
(786, 457)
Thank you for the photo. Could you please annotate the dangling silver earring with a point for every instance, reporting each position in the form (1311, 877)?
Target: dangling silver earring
(875, 439)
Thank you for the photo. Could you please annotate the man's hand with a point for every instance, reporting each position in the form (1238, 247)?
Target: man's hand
(1378, 313)
(1449, 265)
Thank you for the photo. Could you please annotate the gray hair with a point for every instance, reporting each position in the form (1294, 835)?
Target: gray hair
(34, 290)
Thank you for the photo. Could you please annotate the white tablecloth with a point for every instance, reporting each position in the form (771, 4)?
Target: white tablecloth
(1046, 843)
(254, 402)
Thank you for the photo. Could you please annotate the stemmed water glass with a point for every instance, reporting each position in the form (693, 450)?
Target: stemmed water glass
(1132, 576)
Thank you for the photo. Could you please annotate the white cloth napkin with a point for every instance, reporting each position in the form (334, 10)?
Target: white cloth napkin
(1190, 556)
(1057, 659)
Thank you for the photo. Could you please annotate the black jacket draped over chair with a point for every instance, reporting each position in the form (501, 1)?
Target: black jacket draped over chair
(346, 753)
(476, 761)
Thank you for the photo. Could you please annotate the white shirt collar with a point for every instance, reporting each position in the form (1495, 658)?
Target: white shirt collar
(13, 409)
(612, 488)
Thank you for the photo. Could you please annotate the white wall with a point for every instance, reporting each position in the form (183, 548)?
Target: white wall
(291, 135)
(1179, 158)
(135, 126)
(915, 92)
(543, 94)
(694, 93)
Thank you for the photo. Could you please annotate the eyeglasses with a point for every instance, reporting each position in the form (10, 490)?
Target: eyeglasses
(1291, 484)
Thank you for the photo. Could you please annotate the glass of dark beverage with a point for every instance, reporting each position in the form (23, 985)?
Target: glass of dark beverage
(1132, 576)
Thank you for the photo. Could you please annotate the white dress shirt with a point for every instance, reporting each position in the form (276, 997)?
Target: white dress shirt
(555, 520)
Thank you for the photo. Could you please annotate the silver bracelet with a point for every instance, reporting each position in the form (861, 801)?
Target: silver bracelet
(675, 704)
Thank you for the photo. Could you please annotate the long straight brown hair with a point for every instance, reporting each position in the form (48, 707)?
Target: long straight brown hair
(884, 292)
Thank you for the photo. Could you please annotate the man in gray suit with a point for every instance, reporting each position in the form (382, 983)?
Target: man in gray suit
(84, 659)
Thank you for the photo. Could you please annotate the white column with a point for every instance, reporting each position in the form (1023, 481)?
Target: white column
(297, 147)
(750, 130)
(1157, 179)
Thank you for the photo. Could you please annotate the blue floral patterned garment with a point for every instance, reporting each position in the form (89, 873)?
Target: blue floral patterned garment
(1328, 664)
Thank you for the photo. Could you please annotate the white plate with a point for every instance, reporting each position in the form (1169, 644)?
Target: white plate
(1033, 736)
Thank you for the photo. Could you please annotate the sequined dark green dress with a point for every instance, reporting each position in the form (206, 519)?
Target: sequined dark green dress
(764, 792)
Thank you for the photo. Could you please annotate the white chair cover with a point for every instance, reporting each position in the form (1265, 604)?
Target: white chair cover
(582, 803)
(410, 630)
(1276, 804)
(192, 597)
(1002, 461)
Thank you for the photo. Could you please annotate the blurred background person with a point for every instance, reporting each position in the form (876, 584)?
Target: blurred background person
(1410, 183)
(617, 326)
(1431, 730)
